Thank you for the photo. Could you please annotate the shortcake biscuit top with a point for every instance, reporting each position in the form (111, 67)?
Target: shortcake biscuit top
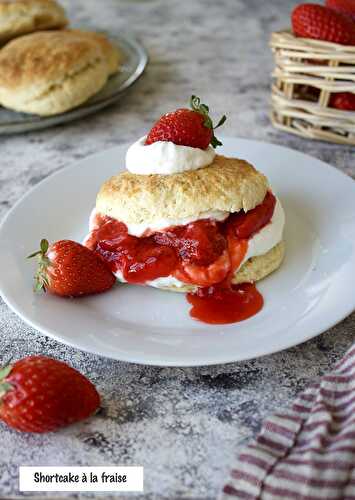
(228, 184)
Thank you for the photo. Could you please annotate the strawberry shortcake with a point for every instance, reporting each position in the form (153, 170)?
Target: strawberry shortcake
(185, 219)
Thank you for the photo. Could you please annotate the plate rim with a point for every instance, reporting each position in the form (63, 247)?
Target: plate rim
(49, 332)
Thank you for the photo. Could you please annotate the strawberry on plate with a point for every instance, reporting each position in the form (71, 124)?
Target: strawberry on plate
(344, 6)
(69, 269)
(343, 100)
(321, 23)
(187, 127)
(41, 394)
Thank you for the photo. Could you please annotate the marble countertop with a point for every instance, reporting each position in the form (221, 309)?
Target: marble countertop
(183, 425)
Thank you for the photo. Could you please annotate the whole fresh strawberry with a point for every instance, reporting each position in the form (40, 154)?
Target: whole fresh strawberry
(69, 269)
(321, 23)
(40, 394)
(343, 100)
(344, 6)
(187, 127)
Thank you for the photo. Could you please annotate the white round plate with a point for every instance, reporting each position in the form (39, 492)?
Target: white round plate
(313, 289)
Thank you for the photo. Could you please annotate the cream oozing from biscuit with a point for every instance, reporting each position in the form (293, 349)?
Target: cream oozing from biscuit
(165, 157)
(269, 236)
(263, 241)
(161, 224)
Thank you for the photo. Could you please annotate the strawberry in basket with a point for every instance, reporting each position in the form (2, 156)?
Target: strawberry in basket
(346, 7)
(343, 100)
(322, 23)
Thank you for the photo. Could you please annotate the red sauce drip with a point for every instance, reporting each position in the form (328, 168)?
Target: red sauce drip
(204, 253)
(220, 304)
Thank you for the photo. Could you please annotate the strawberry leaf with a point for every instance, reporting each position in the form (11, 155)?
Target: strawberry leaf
(203, 109)
(44, 246)
(41, 276)
(4, 372)
(4, 388)
(221, 121)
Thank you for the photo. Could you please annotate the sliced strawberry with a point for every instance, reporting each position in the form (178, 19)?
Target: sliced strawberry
(244, 225)
(205, 275)
(201, 243)
(104, 228)
(151, 261)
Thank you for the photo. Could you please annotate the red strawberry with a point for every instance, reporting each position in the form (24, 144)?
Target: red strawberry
(187, 127)
(318, 22)
(69, 269)
(346, 7)
(343, 100)
(40, 394)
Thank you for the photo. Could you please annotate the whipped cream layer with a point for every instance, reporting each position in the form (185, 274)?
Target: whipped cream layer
(160, 225)
(263, 241)
(269, 236)
(164, 158)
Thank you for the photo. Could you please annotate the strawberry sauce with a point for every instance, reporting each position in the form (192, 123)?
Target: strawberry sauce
(225, 303)
(205, 253)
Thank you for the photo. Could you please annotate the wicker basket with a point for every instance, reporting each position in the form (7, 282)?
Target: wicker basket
(306, 73)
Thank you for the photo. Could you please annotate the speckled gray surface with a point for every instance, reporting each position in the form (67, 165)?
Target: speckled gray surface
(183, 425)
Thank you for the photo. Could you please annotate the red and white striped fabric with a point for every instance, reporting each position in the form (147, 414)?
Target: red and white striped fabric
(306, 452)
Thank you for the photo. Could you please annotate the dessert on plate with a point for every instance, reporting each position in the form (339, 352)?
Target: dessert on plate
(185, 219)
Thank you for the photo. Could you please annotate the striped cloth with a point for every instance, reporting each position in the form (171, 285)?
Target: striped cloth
(306, 452)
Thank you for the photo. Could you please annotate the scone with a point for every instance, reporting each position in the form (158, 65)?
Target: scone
(50, 72)
(204, 225)
(19, 17)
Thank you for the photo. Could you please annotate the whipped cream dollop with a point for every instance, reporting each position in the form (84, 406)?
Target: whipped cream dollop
(164, 158)
(263, 241)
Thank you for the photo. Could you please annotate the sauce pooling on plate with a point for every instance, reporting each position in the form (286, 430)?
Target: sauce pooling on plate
(221, 304)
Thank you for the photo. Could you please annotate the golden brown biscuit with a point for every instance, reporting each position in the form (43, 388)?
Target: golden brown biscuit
(49, 72)
(19, 17)
(254, 269)
(257, 268)
(228, 184)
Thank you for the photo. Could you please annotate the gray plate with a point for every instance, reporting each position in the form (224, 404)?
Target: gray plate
(135, 61)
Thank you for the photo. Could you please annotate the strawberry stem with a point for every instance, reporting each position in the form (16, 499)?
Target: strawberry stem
(203, 109)
(4, 372)
(5, 386)
(41, 276)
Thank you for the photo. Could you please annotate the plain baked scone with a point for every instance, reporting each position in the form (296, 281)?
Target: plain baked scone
(19, 17)
(50, 72)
